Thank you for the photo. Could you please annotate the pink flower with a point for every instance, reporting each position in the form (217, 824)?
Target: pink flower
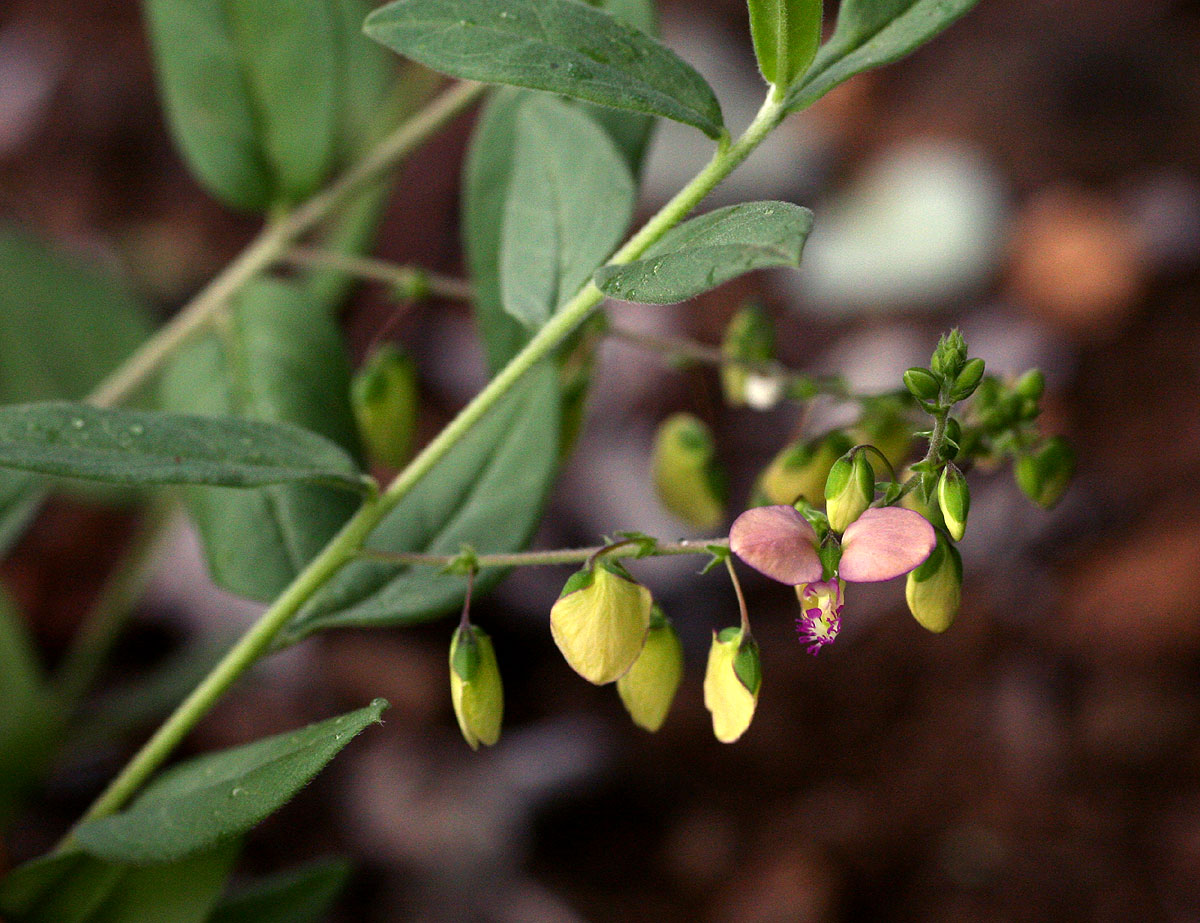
(820, 617)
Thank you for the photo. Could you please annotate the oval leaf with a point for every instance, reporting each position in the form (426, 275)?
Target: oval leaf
(301, 895)
(563, 46)
(134, 447)
(206, 801)
(488, 493)
(870, 33)
(786, 35)
(705, 252)
(569, 203)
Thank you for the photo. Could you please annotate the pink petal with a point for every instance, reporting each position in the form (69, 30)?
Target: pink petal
(884, 543)
(777, 541)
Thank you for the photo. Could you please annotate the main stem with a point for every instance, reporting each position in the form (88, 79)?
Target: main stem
(347, 543)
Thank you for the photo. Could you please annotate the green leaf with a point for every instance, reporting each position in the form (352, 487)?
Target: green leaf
(208, 800)
(786, 35)
(279, 358)
(289, 55)
(19, 500)
(301, 895)
(870, 33)
(367, 82)
(75, 888)
(488, 492)
(63, 439)
(569, 204)
(701, 254)
(563, 46)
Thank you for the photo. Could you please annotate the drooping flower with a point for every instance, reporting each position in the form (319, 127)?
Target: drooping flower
(732, 681)
(820, 617)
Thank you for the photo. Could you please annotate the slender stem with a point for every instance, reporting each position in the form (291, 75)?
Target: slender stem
(536, 558)
(346, 544)
(277, 237)
(104, 621)
(412, 281)
(741, 597)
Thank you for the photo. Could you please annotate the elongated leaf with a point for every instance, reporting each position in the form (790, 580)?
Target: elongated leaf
(76, 888)
(786, 35)
(280, 359)
(870, 33)
(289, 57)
(488, 493)
(137, 447)
(302, 895)
(563, 46)
(702, 253)
(210, 799)
(569, 203)
(19, 499)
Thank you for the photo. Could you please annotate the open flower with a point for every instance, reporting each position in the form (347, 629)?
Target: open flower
(880, 544)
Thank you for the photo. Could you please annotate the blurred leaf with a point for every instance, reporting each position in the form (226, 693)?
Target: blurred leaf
(301, 895)
(208, 800)
(705, 252)
(569, 203)
(64, 439)
(19, 500)
(786, 35)
(75, 888)
(279, 358)
(367, 82)
(870, 33)
(562, 46)
(488, 492)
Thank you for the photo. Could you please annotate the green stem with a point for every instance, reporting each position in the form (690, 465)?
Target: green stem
(277, 237)
(103, 624)
(347, 543)
(538, 558)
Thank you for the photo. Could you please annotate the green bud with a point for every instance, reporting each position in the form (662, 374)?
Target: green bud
(1044, 475)
(687, 477)
(934, 590)
(919, 501)
(749, 338)
(949, 356)
(475, 687)
(800, 470)
(968, 380)
(600, 622)
(886, 425)
(648, 689)
(384, 396)
(1031, 385)
(922, 384)
(849, 490)
(732, 682)
(954, 500)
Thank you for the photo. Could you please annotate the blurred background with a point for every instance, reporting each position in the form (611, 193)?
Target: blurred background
(1033, 177)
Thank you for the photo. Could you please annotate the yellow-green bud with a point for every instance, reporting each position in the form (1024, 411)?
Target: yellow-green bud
(949, 356)
(968, 380)
(934, 590)
(648, 689)
(849, 490)
(687, 477)
(918, 502)
(922, 384)
(1044, 475)
(600, 622)
(749, 338)
(384, 396)
(800, 470)
(887, 428)
(731, 683)
(954, 500)
(1031, 385)
(475, 687)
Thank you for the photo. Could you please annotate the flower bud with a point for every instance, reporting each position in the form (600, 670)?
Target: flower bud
(849, 490)
(800, 470)
(954, 500)
(886, 426)
(1031, 385)
(649, 687)
(922, 384)
(600, 622)
(1044, 475)
(968, 380)
(687, 477)
(475, 687)
(934, 590)
(920, 502)
(384, 396)
(949, 356)
(749, 339)
(731, 683)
